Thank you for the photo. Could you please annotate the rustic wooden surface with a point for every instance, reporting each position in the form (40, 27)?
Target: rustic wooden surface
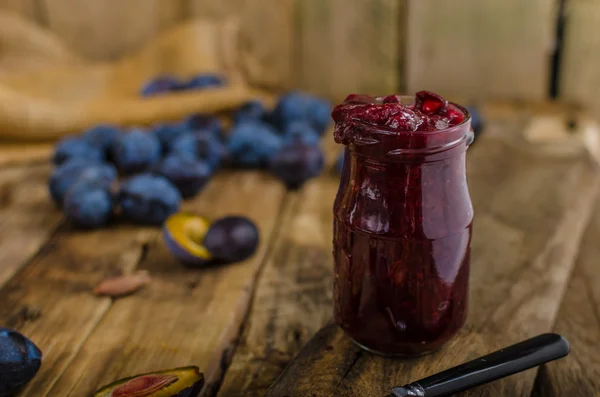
(579, 321)
(244, 323)
(526, 237)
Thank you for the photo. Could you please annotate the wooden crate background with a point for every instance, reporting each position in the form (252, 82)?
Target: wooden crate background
(500, 49)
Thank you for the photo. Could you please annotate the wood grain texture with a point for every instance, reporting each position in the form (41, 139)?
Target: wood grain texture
(50, 300)
(293, 297)
(27, 217)
(579, 322)
(109, 29)
(26, 154)
(26, 8)
(480, 49)
(266, 37)
(580, 65)
(527, 231)
(185, 316)
(344, 49)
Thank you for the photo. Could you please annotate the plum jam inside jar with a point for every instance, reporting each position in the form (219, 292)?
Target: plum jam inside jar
(402, 222)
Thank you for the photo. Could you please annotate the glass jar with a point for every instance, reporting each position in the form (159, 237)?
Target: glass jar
(402, 234)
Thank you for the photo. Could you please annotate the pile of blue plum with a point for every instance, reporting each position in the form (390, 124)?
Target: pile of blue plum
(143, 174)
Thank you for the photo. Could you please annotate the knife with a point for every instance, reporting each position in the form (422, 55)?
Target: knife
(508, 361)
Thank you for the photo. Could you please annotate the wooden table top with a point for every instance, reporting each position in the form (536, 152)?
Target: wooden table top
(534, 182)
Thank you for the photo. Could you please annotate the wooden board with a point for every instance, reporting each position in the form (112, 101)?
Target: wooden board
(578, 321)
(266, 37)
(526, 235)
(479, 48)
(345, 49)
(27, 216)
(580, 63)
(293, 297)
(50, 301)
(109, 29)
(186, 316)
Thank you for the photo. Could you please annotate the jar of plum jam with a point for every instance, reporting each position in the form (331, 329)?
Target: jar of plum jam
(402, 222)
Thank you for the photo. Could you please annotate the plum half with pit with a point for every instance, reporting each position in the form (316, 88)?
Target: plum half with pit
(183, 234)
(196, 241)
(177, 382)
(20, 360)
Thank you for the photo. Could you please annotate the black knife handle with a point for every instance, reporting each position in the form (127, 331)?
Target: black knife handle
(510, 360)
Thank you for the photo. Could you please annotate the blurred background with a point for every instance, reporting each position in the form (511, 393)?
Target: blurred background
(499, 49)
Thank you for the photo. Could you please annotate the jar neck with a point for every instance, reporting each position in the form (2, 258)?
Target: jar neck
(384, 146)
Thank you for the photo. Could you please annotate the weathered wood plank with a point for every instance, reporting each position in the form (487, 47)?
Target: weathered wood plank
(50, 299)
(186, 316)
(266, 37)
(293, 296)
(580, 63)
(112, 28)
(214, 9)
(344, 49)
(479, 49)
(26, 8)
(27, 216)
(578, 321)
(526, 234)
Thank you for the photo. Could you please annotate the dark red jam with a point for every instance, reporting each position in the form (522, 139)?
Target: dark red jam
(402, 222)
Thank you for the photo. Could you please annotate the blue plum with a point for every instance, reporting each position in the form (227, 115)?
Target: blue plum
(250, 111)
(103, 136)
(339, 164)
(299, 106)
(252, 144)
(136, 151)
(76, 148)
(168, 133)
(186, 173)
(148, 199)
(89, 205)
(201, 146)
(160, 85)
(66, 175)
(204, 80)
(232, 239)
(205, 124)
(300, 130)
(20, 360)
(297, 163)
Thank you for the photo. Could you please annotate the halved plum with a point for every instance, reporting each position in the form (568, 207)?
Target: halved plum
(184, 233)
(177, 382)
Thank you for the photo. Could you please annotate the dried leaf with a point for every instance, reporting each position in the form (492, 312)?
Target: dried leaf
(123, 285)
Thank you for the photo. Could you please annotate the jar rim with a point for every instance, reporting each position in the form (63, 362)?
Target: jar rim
(384, 130)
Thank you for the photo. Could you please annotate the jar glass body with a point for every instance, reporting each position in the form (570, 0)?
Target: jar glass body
(402, 234)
